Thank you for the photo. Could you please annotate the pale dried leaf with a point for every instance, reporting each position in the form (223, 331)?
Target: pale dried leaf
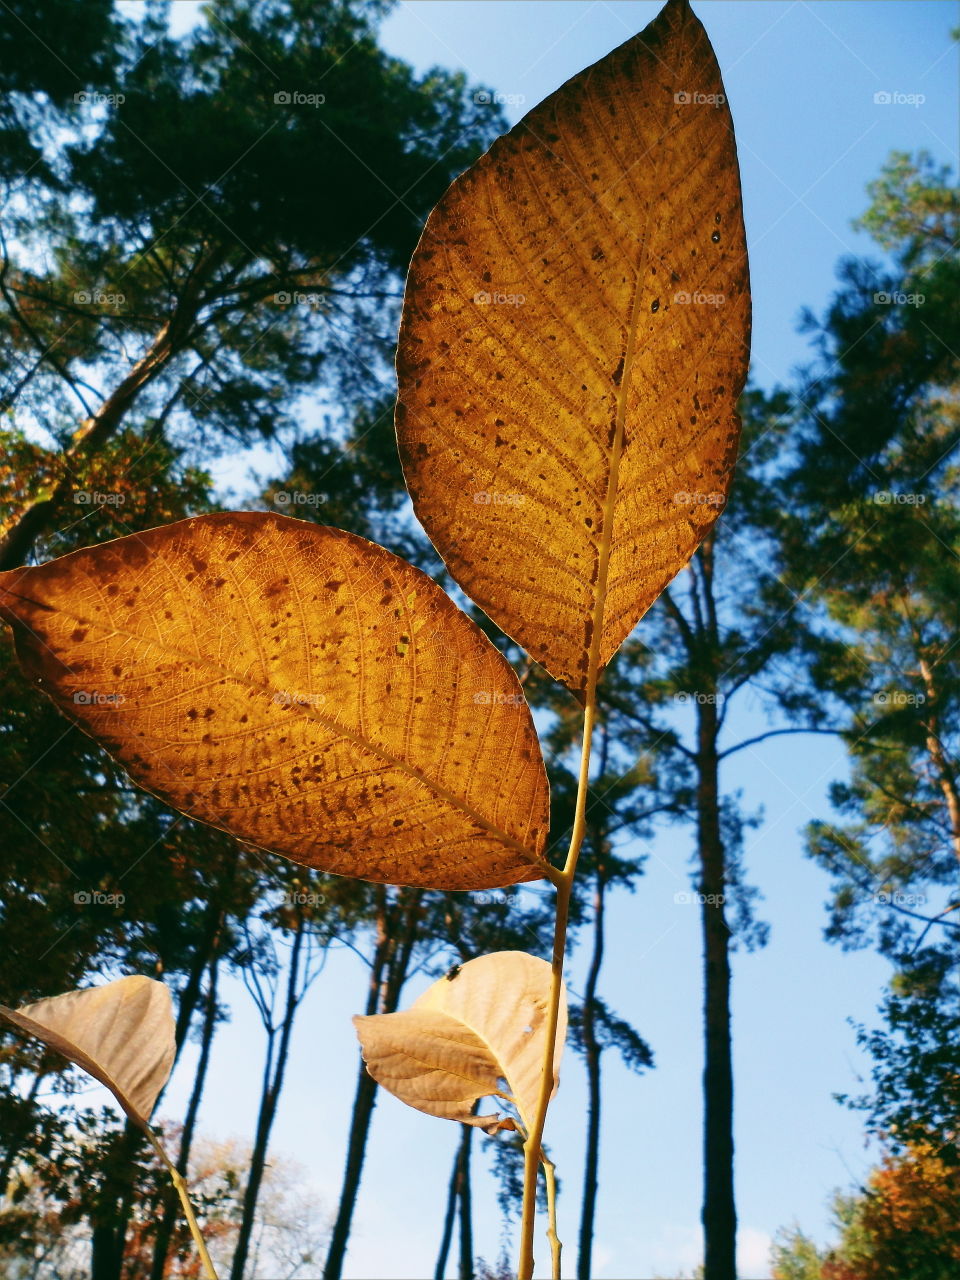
(465, 1035)
(567, 422)
(430, 1061)
(122, 1034)
(299, 687)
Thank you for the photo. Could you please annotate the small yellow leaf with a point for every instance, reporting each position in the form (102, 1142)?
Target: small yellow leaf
(122, 1034)
(465, 1034)
(271, 678)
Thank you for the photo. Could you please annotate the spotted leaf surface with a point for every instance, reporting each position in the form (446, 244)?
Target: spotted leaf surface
(574, 340)
(299, 687)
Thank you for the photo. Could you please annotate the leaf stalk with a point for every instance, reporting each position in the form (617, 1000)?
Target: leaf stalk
(564, 884)
(176, 1177)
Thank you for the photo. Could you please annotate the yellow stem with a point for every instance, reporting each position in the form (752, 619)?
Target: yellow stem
(176, 1177)
(564, 882)
(556, 1248)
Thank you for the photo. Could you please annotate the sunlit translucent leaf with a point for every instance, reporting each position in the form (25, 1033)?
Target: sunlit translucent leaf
(465, 1036)
(299, 687)
(122, 1034)
(574, 339)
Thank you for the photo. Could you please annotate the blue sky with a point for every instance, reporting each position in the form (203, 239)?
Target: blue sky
(801, 79)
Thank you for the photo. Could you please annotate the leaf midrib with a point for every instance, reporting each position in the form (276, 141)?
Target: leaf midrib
(616, 452)
(494, 1055)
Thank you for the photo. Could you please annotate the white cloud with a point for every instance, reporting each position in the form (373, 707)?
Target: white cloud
(753, 1253)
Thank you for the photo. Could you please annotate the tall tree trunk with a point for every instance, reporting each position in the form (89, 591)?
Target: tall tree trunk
(701, 638)
(388, 972)
(719, 1209)
(592, 1050)
(464, 1197)
(450, 1216)
(459, 1205)
(171, 1201)
(106, 1251)
(364, 1100)
(272, 1086)
(114, 1204)
(110, 1261)
(208, 947)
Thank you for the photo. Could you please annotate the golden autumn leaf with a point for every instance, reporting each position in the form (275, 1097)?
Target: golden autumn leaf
(122, 1034)
(299, 687)
(575, 336)
(466, 1034)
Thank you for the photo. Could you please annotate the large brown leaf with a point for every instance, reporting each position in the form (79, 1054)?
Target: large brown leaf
(299, 687)
(122, 1034)
(574, 339)
(466, 1034)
